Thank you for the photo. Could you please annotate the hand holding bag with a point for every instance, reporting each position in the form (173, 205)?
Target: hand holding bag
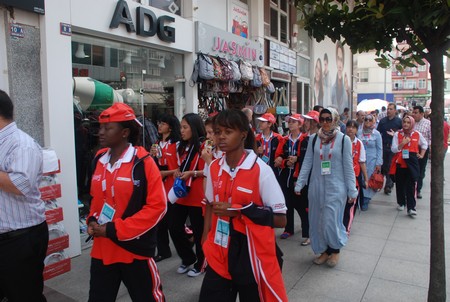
(376, 181)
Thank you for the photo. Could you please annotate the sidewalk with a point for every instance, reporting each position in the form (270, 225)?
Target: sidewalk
(386, 259)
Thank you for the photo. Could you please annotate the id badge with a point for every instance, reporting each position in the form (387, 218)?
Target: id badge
(265, 159)
(405, 154)
(326, 167)
(107, 214)
(222, 233)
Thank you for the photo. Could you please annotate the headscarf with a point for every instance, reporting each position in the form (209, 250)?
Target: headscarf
(327, 136)
(413, 122)
(367, 130)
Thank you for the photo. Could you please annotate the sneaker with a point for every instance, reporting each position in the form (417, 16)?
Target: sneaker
(183, 269)
(387, 191)
(285, 235)
(419, 196)
(412, 212)
(400, 208)
(365, 207)
(194, 272)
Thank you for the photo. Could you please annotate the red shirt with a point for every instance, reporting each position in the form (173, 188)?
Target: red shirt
(196, 192)
(446, 132)
(119, 176)
(170, 159)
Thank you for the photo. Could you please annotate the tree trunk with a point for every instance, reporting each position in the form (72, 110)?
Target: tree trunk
(437, 289)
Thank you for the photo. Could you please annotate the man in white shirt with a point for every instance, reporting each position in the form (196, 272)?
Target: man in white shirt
(23, 229)
(423, 126)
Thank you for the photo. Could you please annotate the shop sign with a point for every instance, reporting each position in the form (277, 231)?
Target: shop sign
(214, 41)
(282, 58)
(16, 31)
(235, 49)
(157, 26)
(281, 76)
(65, 29)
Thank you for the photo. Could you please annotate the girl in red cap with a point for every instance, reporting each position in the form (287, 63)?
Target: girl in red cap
(268, 140)
(288, 156)
(128, 201)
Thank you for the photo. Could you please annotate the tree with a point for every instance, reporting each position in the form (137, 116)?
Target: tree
(425, 26)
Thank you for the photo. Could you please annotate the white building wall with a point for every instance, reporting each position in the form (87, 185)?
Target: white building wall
(379, 78)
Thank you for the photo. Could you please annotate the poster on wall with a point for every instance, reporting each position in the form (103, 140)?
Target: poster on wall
(239, 19)
(331, 85)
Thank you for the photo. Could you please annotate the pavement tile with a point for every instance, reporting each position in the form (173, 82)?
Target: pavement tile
(415, 236)
(363, 228)
(365, 245)
(383, 290)
(407, 251)
(322, 281)
(403, 271)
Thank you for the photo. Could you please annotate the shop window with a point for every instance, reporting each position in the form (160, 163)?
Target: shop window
(279, 20)
(303, 67)
(98, 55)
(422, 84)
(363, 75)
(113, 57)
(422, 67)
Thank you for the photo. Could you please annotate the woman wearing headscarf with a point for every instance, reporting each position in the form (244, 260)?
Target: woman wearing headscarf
(328, 170)
(408, 147)
(373, 146)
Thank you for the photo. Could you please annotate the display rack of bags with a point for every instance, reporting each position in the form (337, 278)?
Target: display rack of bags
(56, 262)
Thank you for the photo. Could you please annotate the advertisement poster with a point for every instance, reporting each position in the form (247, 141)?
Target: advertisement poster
(331, 85)
(239, 19)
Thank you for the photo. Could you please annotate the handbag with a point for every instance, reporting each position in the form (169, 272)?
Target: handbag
(179, 188)
(256, 81)
(205, 67)
(281, 107)
(261, 105)
(264, 77)
(272, 103)
(217, 68)
(376, 181)
(246, 71)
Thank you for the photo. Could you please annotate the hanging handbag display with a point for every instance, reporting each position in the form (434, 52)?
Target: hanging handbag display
(261, 104)
(282, 108)
(256, 81)
(205, 67)
(272, 103)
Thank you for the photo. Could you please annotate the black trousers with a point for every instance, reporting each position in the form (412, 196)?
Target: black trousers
(218, 289)
(297, 203)
(22, 263)
(405, 188)
(163, 233)
(423, 167)
(387, 159)
(180, 241)
(141, 278)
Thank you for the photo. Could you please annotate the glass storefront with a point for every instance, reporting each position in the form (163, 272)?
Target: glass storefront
(150, 80)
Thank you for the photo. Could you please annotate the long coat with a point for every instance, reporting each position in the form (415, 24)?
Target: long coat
(374, 155)
(328, 193)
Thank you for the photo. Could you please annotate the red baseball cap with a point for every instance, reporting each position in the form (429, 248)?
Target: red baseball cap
(267, 117)
(298, 117)
(118, 112)
(312, 115)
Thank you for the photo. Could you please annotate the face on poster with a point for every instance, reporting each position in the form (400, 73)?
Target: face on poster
(332, 75)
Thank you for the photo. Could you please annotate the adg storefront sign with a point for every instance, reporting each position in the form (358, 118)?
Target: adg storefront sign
(157, 25)
(214, 41)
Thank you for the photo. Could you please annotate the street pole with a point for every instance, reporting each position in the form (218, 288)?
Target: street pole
(385, 83)
(142, 106)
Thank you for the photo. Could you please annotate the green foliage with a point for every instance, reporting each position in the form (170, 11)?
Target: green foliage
(375, 24)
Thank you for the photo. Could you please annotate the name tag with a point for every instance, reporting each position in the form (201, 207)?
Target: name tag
(405, 154)
(325, 167)
(265, 159)
(107, 214)
(222, 233)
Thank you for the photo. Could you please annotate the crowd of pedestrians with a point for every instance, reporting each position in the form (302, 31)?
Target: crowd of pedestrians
(218, 188)
(229, 182)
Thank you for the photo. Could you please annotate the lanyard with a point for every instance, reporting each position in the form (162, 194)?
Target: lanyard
(331, 149)
(230, 181)
(292, 150)
(103, 182)
(267, 144)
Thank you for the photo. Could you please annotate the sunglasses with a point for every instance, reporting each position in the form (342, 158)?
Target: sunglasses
(327, 119)
(368, 119)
